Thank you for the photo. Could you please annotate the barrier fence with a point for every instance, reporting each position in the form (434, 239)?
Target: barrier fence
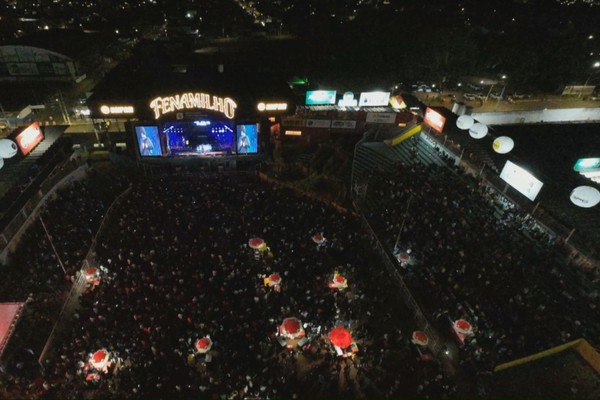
(72, 302)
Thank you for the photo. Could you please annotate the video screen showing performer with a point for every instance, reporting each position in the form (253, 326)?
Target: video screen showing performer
(148, 141)
(247, 139)
(200, 138)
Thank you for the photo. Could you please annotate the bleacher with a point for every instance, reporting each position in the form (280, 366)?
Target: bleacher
(19, 172)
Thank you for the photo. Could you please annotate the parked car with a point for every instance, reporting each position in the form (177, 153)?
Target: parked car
(472, 96)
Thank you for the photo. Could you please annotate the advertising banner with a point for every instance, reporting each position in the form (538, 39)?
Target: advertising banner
(318, 123)
(320, 97)
(525, 183)
(374, 99)
(292, 122)
(434, 119)
(29, 138)
(587, 164)
(381, 118)
(343, 124)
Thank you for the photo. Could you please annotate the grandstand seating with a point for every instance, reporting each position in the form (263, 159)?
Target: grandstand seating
(19, 171)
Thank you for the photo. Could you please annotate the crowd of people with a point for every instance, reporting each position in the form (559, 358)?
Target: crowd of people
(41, 270)
(176, 266)
(179, 268)
(477, 257)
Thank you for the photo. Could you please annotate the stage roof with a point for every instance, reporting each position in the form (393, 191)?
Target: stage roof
(245, 71)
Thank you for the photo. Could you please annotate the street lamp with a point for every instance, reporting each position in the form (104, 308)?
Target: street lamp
(594, 66)
(505, 80)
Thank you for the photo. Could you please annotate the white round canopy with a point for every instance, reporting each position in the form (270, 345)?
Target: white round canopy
(585, 196)
(478, 130)
(503, 144)
(465, 122)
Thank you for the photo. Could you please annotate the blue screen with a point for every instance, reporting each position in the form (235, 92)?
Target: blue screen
(247, 139)
(148, 141)
(200, 138)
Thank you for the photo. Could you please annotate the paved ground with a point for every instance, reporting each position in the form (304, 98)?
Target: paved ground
(535, 103)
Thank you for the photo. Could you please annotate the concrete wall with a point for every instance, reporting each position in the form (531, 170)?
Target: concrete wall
(539, 116)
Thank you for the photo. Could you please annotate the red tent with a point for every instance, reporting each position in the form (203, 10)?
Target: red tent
(338, 282)
(318, 238)
(340, 337)
(291, 328)
(256, 243)
(274, 279)
(403, 257)
(99, 359)
(91, 274)
(203, 345)
(463, 326)
(420, 338)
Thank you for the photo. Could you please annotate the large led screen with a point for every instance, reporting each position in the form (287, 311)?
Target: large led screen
(527, 184)
(434, 119)
(247, 139)
(148, 141)
(29, 138)
(207, 138)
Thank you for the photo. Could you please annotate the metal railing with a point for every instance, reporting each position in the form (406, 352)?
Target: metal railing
(72, 302)
(14, 219)
(435, 344)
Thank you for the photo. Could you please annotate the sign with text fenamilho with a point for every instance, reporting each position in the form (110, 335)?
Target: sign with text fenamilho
(188, 101)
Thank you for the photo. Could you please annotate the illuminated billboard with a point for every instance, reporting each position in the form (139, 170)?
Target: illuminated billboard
(247, 139)
(525, 183)
(587, 164)
(188, 101)
(148, 141)
(434, 119)
(320, 97)
(116, 110)
(374, 99)
(29, 138)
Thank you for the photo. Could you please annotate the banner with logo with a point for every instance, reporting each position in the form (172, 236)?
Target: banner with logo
(381, 118)
(343, 124)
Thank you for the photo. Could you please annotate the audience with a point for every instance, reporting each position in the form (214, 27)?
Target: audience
(180, 268)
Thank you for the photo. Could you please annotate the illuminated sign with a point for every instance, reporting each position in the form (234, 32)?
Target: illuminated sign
(587, 164)
(186, 101)
(374, 99)
(517, 177)
(115, 110)
(348, 100)
(293, 133)
(271, 106)
(29, 138)
(320, 97)
(397, 102)
(434, 119)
